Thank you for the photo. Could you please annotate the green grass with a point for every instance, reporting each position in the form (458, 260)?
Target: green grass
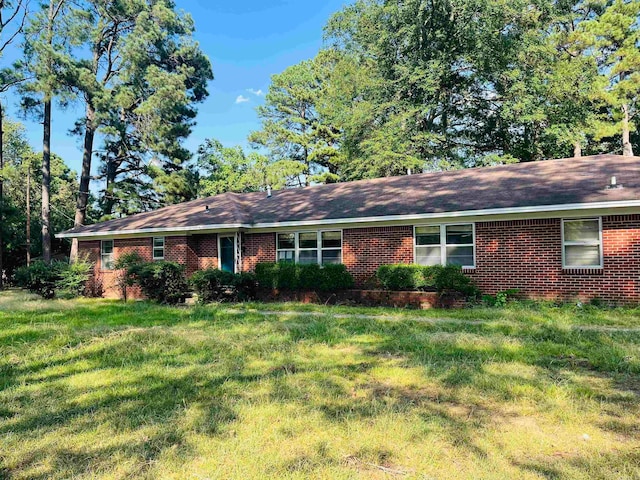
(100, 389)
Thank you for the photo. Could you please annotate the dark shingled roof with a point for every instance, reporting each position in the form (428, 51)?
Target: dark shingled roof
(551, 182)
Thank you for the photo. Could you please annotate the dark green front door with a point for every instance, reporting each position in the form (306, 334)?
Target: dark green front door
(227, 254)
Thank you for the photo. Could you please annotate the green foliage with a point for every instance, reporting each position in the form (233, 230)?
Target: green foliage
(500, 299)
(73, 278)
(162, 282)
(47, 280)
(122, 265)
(447, 280)
(213, 285)
(301, 144)
(230, 169)
(21, 161)
(406, 277)
(297, 277)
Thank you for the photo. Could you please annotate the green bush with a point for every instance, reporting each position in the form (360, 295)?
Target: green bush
(213, 285)
(68, 280)
(72, 278)
(292, 277)
(42, 278)
(122, 266)
(406, 277)
(162, 282)
(21, 276)
(445, 280)
(450, 280)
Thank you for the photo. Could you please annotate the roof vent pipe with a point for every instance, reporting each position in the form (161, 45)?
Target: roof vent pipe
(408, 171)
(613, 184)
(268, 191)
(206, 208)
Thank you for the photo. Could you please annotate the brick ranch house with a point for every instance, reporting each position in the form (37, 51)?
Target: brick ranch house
(567, 228)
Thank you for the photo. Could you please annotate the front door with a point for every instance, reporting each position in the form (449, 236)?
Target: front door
(227, 254)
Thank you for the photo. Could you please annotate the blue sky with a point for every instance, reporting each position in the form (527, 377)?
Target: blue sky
(247, 42)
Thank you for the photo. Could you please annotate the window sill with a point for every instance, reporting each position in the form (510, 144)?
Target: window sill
(583, 271)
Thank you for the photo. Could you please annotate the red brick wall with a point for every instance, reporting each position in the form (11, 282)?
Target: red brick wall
(365, 249)
(257, 248)
(527, 254)
(206, 250)
(523, 254)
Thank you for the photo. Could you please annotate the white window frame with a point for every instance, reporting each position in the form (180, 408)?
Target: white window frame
(443, 241)
(591, 243)
(154, 248)
(319, 248)
(103, 265)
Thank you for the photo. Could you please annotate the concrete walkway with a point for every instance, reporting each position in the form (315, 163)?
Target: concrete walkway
(432, 321)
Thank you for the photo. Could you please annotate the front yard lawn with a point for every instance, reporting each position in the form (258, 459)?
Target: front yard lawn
(100, 389)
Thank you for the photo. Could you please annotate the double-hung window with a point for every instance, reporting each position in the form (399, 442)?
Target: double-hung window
(158, 248)
(445, 245)
(286, 247)
(582, 243)
(323, 247)
(106, 254)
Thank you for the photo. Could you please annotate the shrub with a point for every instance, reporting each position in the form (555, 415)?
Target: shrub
(122, 265)
(292, 277)
(72, 278)
(163, 282)
(213, 285)
(246, 286)
(21, 277)
(450, 280)
(445, 280)
(406, 277)
(41, 278)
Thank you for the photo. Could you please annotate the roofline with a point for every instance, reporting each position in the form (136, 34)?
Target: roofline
(384, 218)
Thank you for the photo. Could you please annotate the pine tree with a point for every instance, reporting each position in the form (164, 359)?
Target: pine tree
(615, 39)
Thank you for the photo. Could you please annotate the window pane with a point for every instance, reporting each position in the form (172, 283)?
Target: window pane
(428, 255)
(331, 240)
(158, 253)
(286, 240)
(286, 256)
(459, 234)
(331, 256)
(428, 235)
(158, 242)
(107, 261)
(462, 256)
(107, 246)
(308, 240)
(308, 256)
(582, 256)
(582, 231)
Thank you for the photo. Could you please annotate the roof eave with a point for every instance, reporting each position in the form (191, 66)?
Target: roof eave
(534, 209)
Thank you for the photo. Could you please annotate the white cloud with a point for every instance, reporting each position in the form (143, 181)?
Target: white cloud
(242, 99)
(257, 93)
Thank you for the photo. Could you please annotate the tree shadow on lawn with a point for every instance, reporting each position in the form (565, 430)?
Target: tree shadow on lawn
(164, 376)
(463, 358)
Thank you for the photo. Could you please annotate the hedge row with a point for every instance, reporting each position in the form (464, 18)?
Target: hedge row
(297, 277)
(443, 279)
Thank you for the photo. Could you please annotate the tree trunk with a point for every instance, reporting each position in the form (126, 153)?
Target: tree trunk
(627, 148)
(1, 194)
(85, 177)
(28, 215)
(577, 149)
(46, 182)
(109, 201)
